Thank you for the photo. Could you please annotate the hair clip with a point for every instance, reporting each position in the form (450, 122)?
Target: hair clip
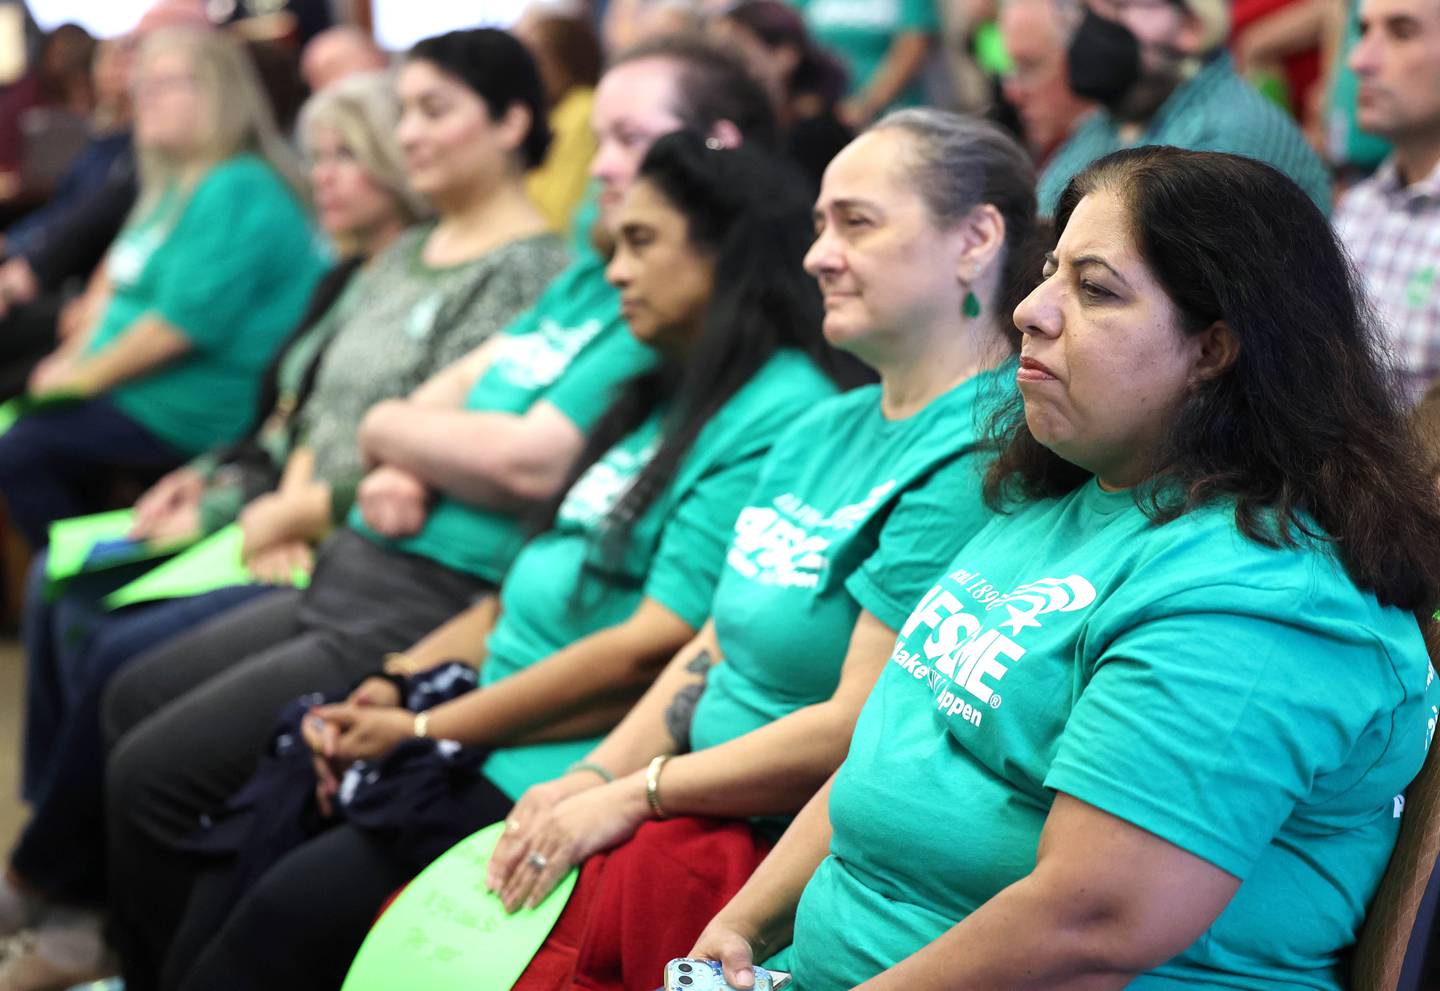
(714, 144)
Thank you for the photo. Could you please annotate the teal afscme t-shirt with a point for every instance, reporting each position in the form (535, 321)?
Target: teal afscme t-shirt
(852, 511)
(231, 267)
(571, 350)
(1249, 705)
(555, 593)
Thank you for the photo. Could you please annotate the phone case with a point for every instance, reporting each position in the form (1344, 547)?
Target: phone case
(685, 974)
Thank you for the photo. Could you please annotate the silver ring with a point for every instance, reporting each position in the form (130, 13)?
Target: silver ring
(538, 861)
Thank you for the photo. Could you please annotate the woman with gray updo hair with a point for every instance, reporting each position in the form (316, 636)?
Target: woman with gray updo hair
(921, 234)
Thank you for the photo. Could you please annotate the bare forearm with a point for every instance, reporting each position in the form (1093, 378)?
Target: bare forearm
(905, 58)
(772, 770)
(478, 458)
(146, 346)
(614, 666)
(764, 909)
(1290, 29)
(461, 638)
(1023, 939)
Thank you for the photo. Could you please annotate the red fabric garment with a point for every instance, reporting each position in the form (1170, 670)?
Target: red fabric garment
(1302, 70)
(637, 907)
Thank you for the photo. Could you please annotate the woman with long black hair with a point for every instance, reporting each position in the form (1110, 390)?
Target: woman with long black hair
(1149, 729)
(707, 263)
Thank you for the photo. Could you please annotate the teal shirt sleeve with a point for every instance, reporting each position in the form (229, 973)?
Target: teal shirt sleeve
(918, 15)
(922, 535)
(222, 239)
(687, 564)
(1207, 727)
(588, 386)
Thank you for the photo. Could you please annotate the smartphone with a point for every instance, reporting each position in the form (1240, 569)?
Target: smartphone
(117, 550)
(687, 974)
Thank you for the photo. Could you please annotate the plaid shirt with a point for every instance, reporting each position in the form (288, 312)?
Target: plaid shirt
(1393, 234)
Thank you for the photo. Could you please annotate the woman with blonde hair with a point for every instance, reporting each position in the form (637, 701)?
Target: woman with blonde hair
(72, 647)
(213, 266)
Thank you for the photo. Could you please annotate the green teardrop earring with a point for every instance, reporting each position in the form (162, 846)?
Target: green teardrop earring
(972, 305)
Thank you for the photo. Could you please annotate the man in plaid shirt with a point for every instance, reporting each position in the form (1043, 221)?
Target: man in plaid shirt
(1391, 221)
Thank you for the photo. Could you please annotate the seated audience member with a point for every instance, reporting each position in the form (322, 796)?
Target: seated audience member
(883, 44)
(338, 52)
(1038, 85)
(363, 204)
(805, 83)
(61, 247)
(707, 262)
(213, 267)
(59, 81)
(1162, 76)
(1390, 223)
(568, 54)
(447, 286)
(26, 334)
(923, 223)
(109, 139)
(1131, 677)
(220, 687)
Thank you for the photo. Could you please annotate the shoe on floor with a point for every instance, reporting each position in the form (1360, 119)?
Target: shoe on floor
(17, 909)
(55, 960)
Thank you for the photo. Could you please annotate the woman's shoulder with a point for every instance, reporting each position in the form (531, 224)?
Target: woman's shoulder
(790, 380)
(245, 172)
(786, 387)
(1205, 560)
(546, 252)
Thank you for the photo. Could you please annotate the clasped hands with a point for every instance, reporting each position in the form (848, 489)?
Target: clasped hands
(366, 726)
(558, 824)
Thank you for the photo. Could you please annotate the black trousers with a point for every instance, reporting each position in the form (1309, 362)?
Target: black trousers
(300, 927)
(189, 720)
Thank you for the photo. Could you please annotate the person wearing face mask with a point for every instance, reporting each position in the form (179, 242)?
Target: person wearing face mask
(1151, 728)
(1159, 72)
(1037, 83)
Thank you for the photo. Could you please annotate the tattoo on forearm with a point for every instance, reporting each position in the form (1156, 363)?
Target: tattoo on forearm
(682, 708)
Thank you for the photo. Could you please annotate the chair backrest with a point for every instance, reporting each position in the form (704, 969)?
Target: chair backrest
(1386, 937)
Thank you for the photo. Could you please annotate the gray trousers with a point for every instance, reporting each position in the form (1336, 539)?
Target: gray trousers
(188, 721)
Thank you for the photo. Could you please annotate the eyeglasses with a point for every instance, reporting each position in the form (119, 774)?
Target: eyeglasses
(163, 83)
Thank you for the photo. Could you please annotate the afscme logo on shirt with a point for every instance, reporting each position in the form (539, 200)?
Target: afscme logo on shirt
(972, 658)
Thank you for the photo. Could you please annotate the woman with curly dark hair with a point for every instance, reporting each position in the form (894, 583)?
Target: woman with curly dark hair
(1152, 728)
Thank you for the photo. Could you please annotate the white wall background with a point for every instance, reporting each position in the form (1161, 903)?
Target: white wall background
(398, 23)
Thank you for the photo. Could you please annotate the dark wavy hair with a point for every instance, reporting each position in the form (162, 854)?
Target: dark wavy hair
(502, 73)
(1307, 430)
(751, 212)
(775, 24)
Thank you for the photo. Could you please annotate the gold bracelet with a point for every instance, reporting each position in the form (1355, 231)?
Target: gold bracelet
(422, 724)
(396, 662)
(652, 785)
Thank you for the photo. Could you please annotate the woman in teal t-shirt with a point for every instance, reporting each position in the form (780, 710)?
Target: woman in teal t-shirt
(923, 224)
(204, 282)
(1151, 728)
(707, 266)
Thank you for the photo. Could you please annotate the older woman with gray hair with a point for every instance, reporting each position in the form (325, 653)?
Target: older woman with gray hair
(922, 227)
(363, 203)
